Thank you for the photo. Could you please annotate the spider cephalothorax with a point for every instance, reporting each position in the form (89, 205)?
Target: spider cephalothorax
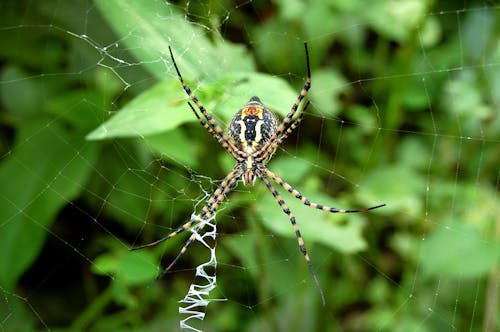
(254, 135)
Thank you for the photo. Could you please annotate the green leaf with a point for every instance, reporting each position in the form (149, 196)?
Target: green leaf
(329, 84)
(164, 106)
(47, 169)
(149, 27)
(295, 169)
(154, 111)
(120, 178)
(176, 146)
(137, 267)
(398, 187)
(315, 225)
(105, 264)
(273, 91)
(130, 268)
(82, 108)
(458, 250)
(196, 58)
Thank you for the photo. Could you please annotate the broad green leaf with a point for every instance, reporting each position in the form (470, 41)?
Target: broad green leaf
(16, 314)
(295, 169)
(82, 108)
(457, 249)
(398, 187)
(175, 146)
(105, 264)
(223, 63)
(47, 169)
(130, 268)
(274, 92)
(315, 225)
(158, 109)
(149, 27)
(164, 106)
(329, 85)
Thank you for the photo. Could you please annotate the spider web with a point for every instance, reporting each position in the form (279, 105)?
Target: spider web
(100, 153)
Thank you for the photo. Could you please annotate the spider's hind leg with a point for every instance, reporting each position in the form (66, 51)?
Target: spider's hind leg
(314, 205)
(300, 240)
(207, 212)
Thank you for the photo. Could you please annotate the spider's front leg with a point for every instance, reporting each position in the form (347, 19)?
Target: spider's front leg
(285, 123)
(212, 126)
(270, 148)
(225, 142)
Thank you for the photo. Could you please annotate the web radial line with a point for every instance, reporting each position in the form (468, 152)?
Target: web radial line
(222, 189)
(207, 212)
(220, 137)
(307, 202)
(300, 240)
(193, 97)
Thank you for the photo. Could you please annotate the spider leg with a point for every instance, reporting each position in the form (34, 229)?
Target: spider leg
(214, 125)
(207, 212)
(307, 202)
(300, 240)
(210, 207)
(288, 118)
(301, 96)
(220, 137)
(270, 149)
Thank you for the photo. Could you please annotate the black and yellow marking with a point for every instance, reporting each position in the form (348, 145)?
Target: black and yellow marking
(252, 126)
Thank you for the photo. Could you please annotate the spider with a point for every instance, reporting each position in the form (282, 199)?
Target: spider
(252, 138)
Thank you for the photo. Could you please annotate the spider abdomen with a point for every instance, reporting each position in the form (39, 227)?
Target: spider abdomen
(252, 126)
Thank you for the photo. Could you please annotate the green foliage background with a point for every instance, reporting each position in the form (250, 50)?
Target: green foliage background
(99, 152)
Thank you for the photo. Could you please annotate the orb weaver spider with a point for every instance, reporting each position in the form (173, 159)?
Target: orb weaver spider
(253, 137)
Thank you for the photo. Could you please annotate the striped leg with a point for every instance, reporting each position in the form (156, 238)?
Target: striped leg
(288, 118)
(210, 207)
(221, 138)
(300, 240)
(207, 212)
(271, 149)
(307, 202)
(211, 121)
(301, 96)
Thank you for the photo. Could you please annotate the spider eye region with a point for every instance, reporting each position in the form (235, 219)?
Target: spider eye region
(249, 111)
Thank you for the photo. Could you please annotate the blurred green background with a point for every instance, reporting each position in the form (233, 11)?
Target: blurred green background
(99, 152)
